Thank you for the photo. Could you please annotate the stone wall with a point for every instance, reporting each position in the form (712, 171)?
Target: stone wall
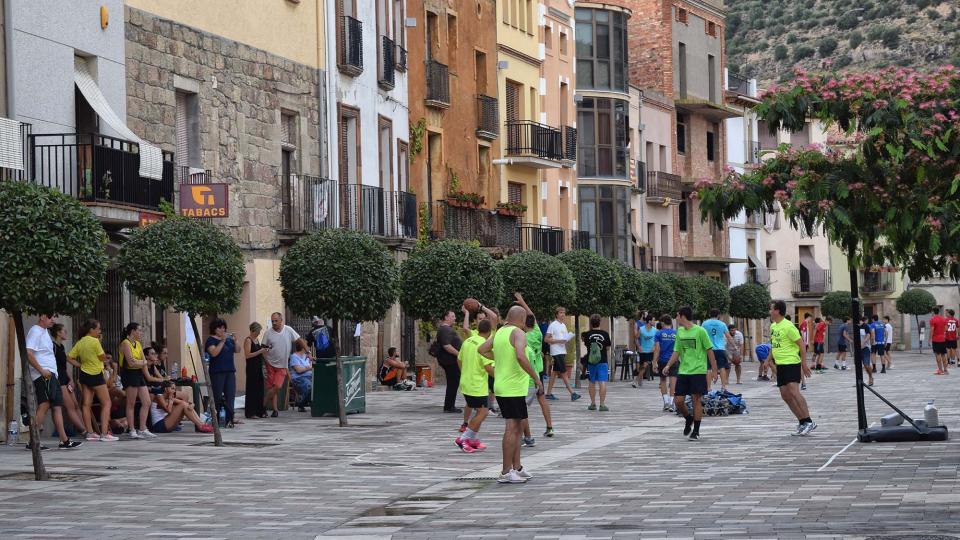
(241, 92)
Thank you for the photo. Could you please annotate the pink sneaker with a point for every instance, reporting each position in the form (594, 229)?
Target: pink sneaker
(476, 444)
(463, 427)
(464, 445)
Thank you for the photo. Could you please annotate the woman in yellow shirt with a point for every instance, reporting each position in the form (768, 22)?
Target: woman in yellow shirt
(87, 354)
(132, 367)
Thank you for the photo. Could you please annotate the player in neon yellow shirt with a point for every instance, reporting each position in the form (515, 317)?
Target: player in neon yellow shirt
(475, 371)
(535, 355)
(789, 355)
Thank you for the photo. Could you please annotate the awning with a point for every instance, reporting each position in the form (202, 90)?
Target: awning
(151, 157)
(755, 262)
(11, 145)
(807, 260)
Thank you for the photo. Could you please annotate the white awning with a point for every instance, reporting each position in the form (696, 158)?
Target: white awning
(11, 145)
(151, 157)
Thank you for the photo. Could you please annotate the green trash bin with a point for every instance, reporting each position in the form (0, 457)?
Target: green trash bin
(325, 385)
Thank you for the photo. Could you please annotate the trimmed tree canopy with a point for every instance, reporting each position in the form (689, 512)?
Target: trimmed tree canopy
(750, 301)
(185, 264)
(886, 191)
(598, 282)
(713, 294)
(684, 291)
(916, 302)
(339, 274)
(836, 304)
(631, 290)
(443, 274)
(544, 281)
(656, 295)
(53, 251)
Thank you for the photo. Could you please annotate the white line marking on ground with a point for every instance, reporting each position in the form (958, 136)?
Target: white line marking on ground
(833, 457)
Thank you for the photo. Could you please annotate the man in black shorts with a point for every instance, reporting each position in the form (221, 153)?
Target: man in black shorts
(43, 371)
(512, 374)
(693, 348)
(557, 337)
(790, 357)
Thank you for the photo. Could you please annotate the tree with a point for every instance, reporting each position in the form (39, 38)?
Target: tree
(631, 290)
(847, 21)
(339, 274)
(856, 38)
(598, 286)
(713, 295)
(443, 274)
(780, 52)
(656, 295)
(916, 302)
(544, 281)
(884, 191)
(836, 304)
(189, 266)
(891, 38)
(684, 291)
(801, 52)
(826, 46)
(54, 261)
(749, 301)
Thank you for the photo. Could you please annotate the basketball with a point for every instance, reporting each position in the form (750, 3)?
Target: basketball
(471, 305)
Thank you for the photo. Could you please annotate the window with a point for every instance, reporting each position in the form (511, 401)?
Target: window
(288, 139)
(514, 193)
(711, 146)
(682, 15)
(711, 29)
(480, 72)
(771, 259)
(681, 134)
(349, 145)
(403, 166)
(399, 32)
(664, 240)
(385, 149)
(513, 92)
(683, 210)
(712, 76)
(602, 137)
(529, 9)
(483, 164)
(601, 49)
(452, 42)
(563, 43)
(547, 38)
(682, 69)
(664, 162)
(433, 36)
(605, 215)
(188, 130)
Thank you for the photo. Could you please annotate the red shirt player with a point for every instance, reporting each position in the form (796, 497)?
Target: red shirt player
(938, 338)
(820, 333)
(951, 333)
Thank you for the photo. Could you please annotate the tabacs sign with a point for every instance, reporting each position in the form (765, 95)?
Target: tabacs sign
(204, 201)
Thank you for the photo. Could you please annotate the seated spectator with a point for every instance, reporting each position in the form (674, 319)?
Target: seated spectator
(301, 374)
(159, 370)
(166, 411)
(393, 372)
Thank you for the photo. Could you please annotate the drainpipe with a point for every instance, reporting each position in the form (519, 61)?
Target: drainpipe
(8, 54)
(330, 120)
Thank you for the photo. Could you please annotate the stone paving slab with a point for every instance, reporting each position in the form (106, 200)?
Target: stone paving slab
(395, 473)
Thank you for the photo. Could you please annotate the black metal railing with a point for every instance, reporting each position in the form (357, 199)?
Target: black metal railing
(438, 83)
(662, 185)
(579, 239)
(310, 203)
(488, 117)
(487, 227)
(753, 152)
(877, 282)
(810, 282)
(663, 263)
(401, 58)
(528, 138)
(641, 176)
(569, 143)
(388, 63)
(757, 274)
(755, 219)
(96, 167)
(351, 45)
(549, 240)
(191, 175)
(19, 174)
(738, 84)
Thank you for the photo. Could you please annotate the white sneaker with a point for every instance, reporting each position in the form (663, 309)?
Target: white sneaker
(147, 434)
(134, 435)
(512, 477)
(93, 437)
(108, 438)
(524, 474)
(807, 428)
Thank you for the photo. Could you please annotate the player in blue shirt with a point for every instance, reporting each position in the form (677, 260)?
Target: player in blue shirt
(663, 342)
(646, 332)
(879, 348)
(719, 334)
(763, 354)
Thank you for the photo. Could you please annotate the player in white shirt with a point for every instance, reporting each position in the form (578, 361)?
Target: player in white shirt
(888, 339)
(557, 337)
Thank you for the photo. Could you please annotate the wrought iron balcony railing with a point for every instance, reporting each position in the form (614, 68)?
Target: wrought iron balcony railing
(388, 63)
(488, 117)
(662, 185)
(438, 84)
(528, 138)
(487, 227)
(351, 46)
(807, 282)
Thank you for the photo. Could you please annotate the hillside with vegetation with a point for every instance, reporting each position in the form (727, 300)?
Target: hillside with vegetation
(766, 39)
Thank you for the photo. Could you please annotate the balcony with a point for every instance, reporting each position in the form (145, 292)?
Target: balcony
(877, 283)
(737, 84)
(191, 175)
(487, 227)
(758, 275)
(488, 117)
(311, 203)
(549, 240)
(438, 85)
(641, 176)
(350, 58)
(569, 146)
(101, 170)
(663, 188)
(401, 58)
(674, 265)
(533, 144)
(752, 154)
(755, 220)
(579, 239)
(386, 78)
(13, 168)
(810, 282)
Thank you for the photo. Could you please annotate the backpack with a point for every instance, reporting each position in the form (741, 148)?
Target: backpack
(593, 356)
(324, 347)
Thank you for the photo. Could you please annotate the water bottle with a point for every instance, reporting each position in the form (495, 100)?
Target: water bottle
(13, 433)
(223, 417)
(892, 419)
(206, 359)
(931, 414)
(175, 369)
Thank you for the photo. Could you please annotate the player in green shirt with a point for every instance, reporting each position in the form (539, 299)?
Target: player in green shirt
(535, 355)
(789, 355)
(693, 348)
(475, 370)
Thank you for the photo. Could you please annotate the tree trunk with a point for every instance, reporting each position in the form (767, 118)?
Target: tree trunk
(341, 408)
(919, 335)
(576, 361)
(39, 471)
(857, 360)
(212, 406)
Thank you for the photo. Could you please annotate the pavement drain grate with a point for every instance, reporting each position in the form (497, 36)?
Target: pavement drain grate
(238, 444)
(54, 477)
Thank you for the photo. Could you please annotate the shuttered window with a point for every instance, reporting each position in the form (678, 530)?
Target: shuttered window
(182, 153)
(513, 101)
(514, 193)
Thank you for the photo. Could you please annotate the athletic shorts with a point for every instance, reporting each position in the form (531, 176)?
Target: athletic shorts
(276, 377)
(559, 363)
(476, 402)
(132, 378)
(48, 391)
(159, 426)
(645, 357)
(842, 347)
(865, 356)
(490, 384)
(878, 349)
(818, 348)
(91, 381)
(691, 385)
(598, 372)
(951, 343)
(721, 358)
(939, 347)
(512, 408)
(673, 369)
(788, 373)
(886, 348)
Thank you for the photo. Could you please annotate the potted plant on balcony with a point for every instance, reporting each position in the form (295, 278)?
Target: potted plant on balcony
(511, 209)
(462, 199)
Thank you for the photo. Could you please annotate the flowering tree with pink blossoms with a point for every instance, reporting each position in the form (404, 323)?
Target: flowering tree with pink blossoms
(884, 188)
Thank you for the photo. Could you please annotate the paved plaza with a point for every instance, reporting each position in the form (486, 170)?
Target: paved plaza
(627, 473)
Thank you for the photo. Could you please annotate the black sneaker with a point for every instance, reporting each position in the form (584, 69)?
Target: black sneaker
(687, 426)
(883, 369)
(694, 436)
(301, 409)
(42, 447)
(69, 445)
(274, 414)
